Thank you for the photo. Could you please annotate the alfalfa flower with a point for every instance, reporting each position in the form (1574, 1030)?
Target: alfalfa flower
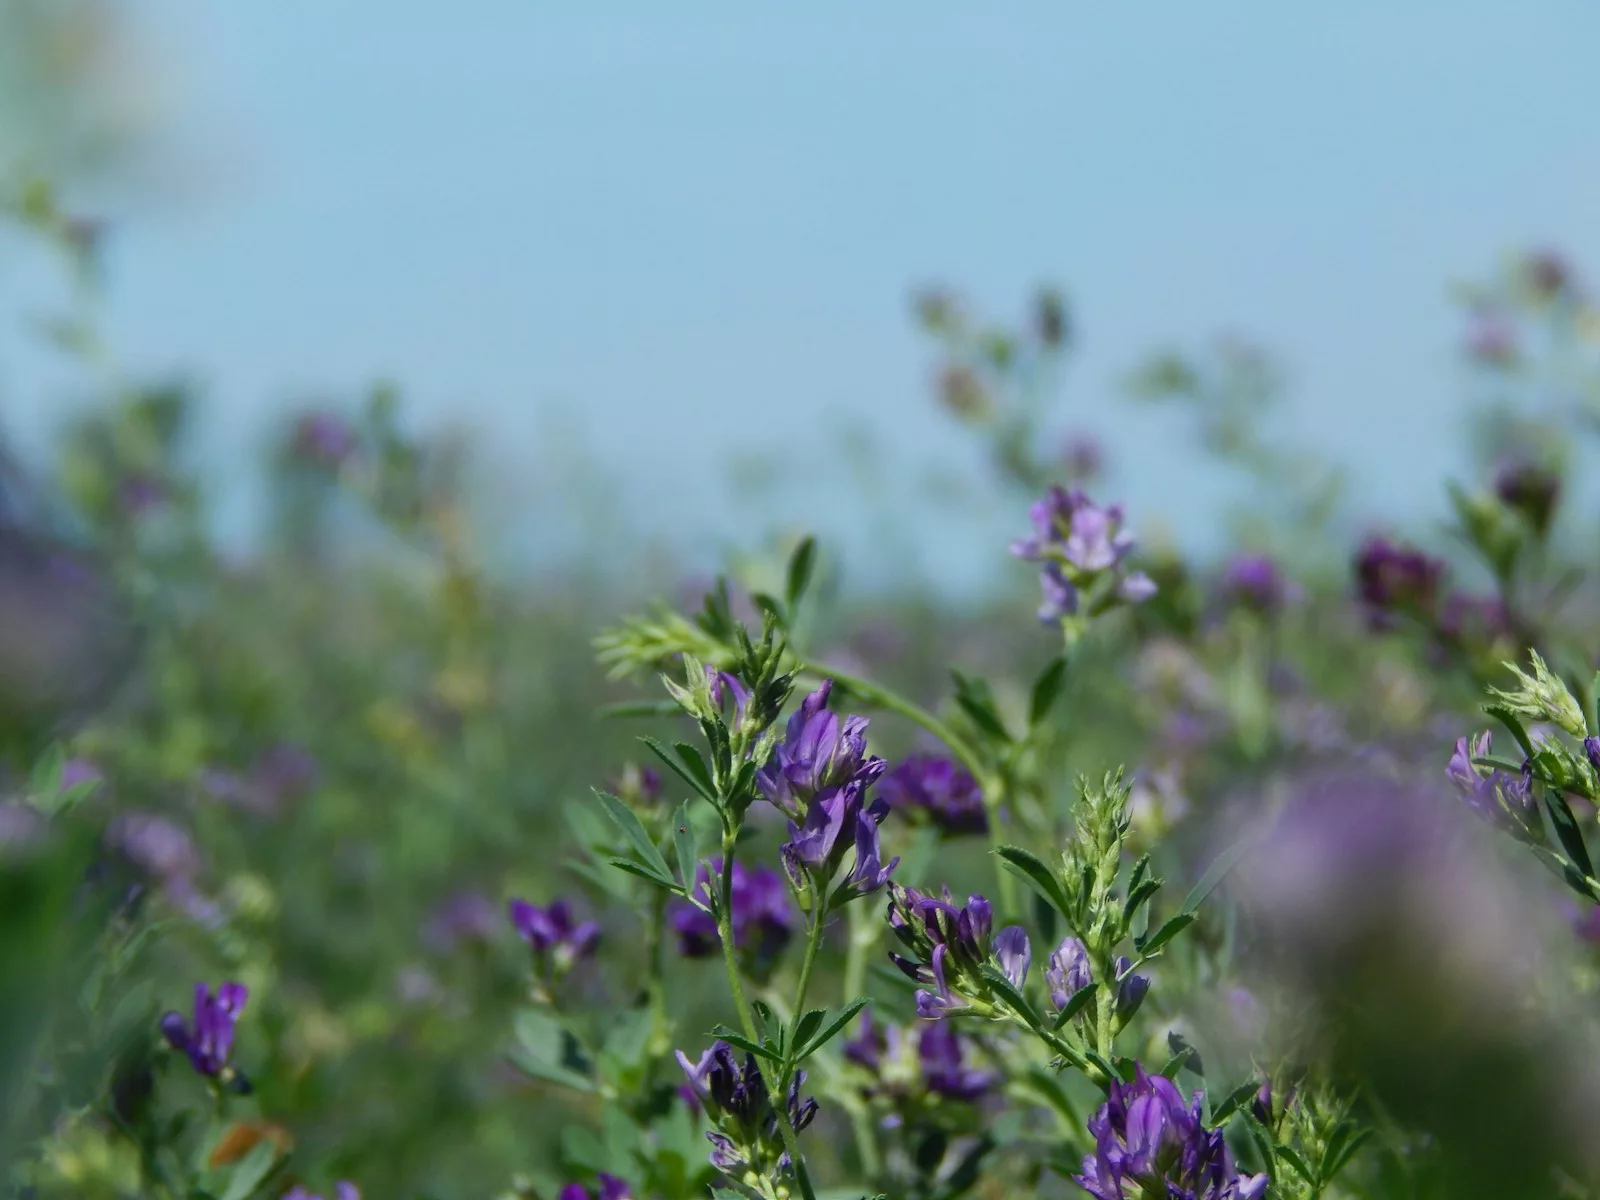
(207, 1038)
(1083, 550)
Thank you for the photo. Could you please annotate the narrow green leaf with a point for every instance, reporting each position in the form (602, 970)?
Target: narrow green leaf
(1567, 832)
(831, 1030)
(252, 1171)
(696, 766)
(1046, 688)
(799, 575)
(1214, 875)
(1076, 1003)
(1235, 1100)
(640, 708)
(649, 874)
(1592, 709)
(1334, 1160)
(805, 1025)
(1043, 880)
(635, 832)
(684, 847)
(1173, 926)
(723, 1033)
(1009, 993)
(670, 761)
(1292, 1156)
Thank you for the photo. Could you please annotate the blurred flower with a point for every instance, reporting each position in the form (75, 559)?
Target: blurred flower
(1548, 274)
(323, 439)
(557, 940)
(1506, 801)
(638, 785)
(156, 845)
(1068, 972)
(464, 916)
(1492, 339)
(1393, 578)
(1473, 621)
(763, 918)
(938, 788)
(611, 1188)
(939, 1050)
(208, 1038)
(962, 392)
(341, 1191)
(1149, 1143)
(141, 494)
(1082, 547)
(19, 823)
(79, 770)
(1255, 581)
(1530, 489)
(871, 1045)
(1082, 457)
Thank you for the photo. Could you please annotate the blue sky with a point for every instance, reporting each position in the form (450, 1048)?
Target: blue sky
(689, 231)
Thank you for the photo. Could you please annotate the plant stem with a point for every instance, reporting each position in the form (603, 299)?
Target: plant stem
(730, 959)
(813, 942)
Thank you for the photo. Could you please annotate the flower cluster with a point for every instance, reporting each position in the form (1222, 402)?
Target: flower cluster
(1149, 1143)
(950, 946)
(1084, 549)
(208, 1038)
(763, 917)
(747, 1137)
(341, 1191)
(938, 1069)
(1504, 800)
(819, 775)
(1256, 581)
(942, 790)
(1394, 579)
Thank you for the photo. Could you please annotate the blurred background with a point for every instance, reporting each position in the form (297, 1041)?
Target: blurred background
(360, 364)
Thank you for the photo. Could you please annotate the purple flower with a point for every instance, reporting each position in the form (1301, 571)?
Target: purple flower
(1392, 578)
(464, 916)
(1505, 801)
(1148, 1143)
(79, 770)
(323, 439)
(156, 845)
(950, 944)
(763, 917)
(1530, 489)
(1131, 990)
(1068, 972)
(638, 785)
(1013, 953)
(724, 687)
(820, 754)
(1255, 581)
(557, 940)
(939, 787)
(1079, 543)
(341, 1191)
(836, 820)
(208, 1038)
(870, 1046)
(611, 1188)
(1473, 621)
(738, 1102)
(939, 1050)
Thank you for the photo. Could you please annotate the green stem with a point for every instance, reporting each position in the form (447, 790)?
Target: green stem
(813, 942)
(863, 937)
(994, 795)
(657, 963)
(730, 959)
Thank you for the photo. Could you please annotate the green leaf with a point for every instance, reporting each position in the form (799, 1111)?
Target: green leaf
(648, 874)
(1043, 880)
(684, 846)
(696, 766)
(252, 1171)
(635, 832)
(1214, 875)
(805, 1026)
(1592, 708)
(1292, 1156)
(1046, 688)
(670, 761)
(1173, 926)
(1235, 1100)
(1009, 993)
(1513, 725)
(640, 708)
(799, 575)
(1342, 1147)
(977, 701)
(1567, 832)
(738, 1040)
(1076, 1003)
(764, 1014)
(831, 1030)
(45, 780)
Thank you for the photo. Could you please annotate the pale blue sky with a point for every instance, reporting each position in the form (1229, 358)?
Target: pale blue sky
(692, 228)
